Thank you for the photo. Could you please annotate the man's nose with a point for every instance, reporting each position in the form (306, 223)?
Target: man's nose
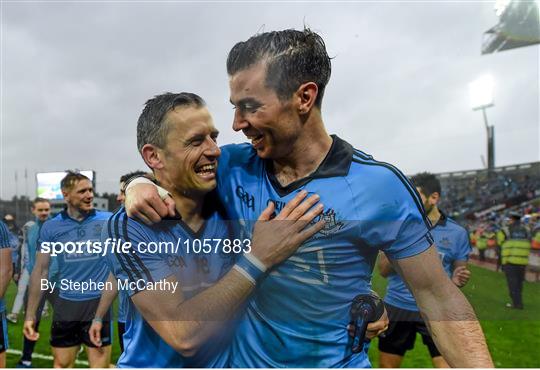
(239, 122)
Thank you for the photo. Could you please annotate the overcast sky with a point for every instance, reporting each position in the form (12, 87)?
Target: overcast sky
(75, 76)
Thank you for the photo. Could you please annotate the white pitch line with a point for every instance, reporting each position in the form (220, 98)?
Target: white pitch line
(43, 357)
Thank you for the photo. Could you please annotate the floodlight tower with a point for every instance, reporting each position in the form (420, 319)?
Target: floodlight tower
(481, 94)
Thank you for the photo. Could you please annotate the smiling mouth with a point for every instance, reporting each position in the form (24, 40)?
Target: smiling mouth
(206, 170)
(255, 139)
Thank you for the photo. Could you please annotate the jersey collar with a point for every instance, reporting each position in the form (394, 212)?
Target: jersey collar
(336, 163)
(442, 219)
(65, 216)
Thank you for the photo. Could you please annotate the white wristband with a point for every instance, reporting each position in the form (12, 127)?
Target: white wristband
(143, 180)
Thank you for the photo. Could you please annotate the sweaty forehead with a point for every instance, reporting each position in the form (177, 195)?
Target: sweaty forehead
(186, 121)
(248, 82)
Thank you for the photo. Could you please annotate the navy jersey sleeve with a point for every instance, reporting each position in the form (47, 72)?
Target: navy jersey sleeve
(397, 221)
(4, 236)
(136, 265)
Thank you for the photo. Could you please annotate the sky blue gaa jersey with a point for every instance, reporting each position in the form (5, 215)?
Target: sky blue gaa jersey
(14, 242)
(299, 313)
(143, 347)
(75, 267)
(452, 242)
(4, 243)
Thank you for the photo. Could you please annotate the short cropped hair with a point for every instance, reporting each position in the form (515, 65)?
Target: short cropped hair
(152, 127)
(39, 200)
(292, 58)
(428, 182)
(127, 176)
(72, 178)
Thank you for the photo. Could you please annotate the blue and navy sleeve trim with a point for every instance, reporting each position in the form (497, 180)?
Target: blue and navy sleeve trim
(130, 262)
(363, 158)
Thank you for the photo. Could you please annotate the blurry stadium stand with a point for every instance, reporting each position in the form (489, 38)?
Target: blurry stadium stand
(518, 26)
(482, 198)
(474, 194)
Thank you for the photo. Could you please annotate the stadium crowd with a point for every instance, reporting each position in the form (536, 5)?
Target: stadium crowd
(479, 190)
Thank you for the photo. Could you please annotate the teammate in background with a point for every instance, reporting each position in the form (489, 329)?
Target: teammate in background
(74, 309)
(453, 247)
(123, 180)
(15, 242)
(299, 315)
(515, 250)
(41, 209)
(5, 277)
(177, 140)
(108, 295)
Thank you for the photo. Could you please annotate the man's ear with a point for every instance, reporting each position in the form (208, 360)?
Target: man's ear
(305, 96)
(152, 156)
(434, 197)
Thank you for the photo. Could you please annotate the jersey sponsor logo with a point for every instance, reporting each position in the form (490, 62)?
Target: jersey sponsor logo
(277, 203)
(331, 225)
(245, 197)
(81, 232)
(445, 242)
(202, 264)
(175, 261)
(97, 228)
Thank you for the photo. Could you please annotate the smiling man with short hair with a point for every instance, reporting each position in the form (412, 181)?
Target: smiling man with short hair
(74, 308)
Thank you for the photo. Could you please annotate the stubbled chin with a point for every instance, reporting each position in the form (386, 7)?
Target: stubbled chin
(263, 153)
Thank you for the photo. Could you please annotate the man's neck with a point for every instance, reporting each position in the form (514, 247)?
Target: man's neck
(188, 205)
(76, 213)
(305, 157)
(434, 215)
(190, 208)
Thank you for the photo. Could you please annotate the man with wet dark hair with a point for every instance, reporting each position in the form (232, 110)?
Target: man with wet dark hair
(299, 315)
(292, 58)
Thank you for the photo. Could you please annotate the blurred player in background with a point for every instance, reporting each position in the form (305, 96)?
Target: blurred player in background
(74, 309)
(299, 315)
(123, 180)
(108, 295)
(15, 242)
(453, 247)
(41, 209)
(5, 277)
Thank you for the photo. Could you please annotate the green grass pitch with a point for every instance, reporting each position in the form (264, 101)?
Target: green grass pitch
(513, 336)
